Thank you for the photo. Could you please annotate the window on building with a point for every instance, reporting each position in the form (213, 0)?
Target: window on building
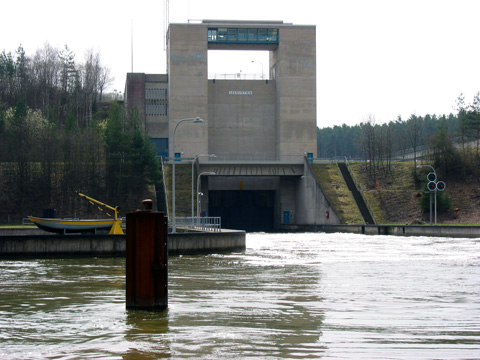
(212, 34)
(232, 35)
(222, 34)
(155, 101)
(160, 146)
(243, 35)
(262, 35)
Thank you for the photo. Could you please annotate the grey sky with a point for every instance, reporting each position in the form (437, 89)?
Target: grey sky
(384, 58)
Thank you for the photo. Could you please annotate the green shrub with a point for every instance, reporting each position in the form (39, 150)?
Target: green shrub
(444, 202)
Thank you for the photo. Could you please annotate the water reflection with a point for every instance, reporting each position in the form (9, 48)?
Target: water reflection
(148, 335)
(287, 296)
(249, 305)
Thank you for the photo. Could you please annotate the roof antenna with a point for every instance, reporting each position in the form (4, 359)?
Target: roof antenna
(166, 22)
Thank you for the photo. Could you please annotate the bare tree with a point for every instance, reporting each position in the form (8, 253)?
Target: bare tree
(368, 141)
(46, 78)
(104, 81)
(414, 130)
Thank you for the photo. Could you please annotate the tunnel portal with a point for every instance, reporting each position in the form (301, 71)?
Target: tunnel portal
(249, 210)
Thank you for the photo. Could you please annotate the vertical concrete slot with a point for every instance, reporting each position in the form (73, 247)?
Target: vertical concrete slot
(147, 260)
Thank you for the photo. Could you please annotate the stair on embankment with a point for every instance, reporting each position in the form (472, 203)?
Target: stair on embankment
(362, 206)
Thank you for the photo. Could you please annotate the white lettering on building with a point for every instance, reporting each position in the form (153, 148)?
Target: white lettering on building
(240, 92)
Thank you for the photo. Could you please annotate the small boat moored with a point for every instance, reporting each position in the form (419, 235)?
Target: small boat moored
(63, 226)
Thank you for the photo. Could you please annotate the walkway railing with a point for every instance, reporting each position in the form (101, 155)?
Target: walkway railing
(200, 223)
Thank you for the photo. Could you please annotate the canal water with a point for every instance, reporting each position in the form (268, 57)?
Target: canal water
(288, 296)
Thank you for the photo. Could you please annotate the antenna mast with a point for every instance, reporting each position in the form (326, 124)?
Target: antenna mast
(131, 42)
(166, 23)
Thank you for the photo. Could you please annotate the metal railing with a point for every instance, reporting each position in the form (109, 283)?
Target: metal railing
(207, 223)
(234, 157)
(237, 76)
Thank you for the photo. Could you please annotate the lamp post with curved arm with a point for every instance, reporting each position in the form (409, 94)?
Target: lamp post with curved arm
(198, 190)
(256, 61)
(194, 120)
(193, 163)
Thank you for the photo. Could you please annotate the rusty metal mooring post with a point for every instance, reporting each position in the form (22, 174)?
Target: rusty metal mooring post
(147, 259)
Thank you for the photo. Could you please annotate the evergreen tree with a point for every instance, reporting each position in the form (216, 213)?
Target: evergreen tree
(474, 121)
(445, 154)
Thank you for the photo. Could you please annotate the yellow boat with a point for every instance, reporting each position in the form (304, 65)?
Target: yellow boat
(63, 226)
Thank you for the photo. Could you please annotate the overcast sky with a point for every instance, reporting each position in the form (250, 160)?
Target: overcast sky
(376, 58)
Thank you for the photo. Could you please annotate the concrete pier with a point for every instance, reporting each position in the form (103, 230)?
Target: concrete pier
(114, 245)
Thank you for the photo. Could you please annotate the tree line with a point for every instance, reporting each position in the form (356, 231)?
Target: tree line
(53, 82)
(57, 137)
(451, 142)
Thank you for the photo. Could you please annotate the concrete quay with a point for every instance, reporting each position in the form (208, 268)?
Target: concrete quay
(47, 244)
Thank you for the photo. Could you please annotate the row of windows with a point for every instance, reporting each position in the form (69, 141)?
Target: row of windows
(156, 109)
(244, 36)
(160, 94)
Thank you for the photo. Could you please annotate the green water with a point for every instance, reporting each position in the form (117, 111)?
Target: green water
(288, 296)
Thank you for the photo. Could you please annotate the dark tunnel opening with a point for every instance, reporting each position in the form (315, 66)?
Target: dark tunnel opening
(249, 210)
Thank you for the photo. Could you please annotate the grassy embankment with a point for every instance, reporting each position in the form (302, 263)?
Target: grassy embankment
(332, 183)
(395, 198)
(392, 199)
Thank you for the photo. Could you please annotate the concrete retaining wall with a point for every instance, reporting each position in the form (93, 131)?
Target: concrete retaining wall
(399, 230)
(114, 245)
(53, 245)
(201, 243)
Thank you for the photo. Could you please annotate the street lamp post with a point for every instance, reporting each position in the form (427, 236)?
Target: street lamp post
(435, 195)
(254, 61)
(193, 163)
(198, 190)
(315, 197)
(194, 120)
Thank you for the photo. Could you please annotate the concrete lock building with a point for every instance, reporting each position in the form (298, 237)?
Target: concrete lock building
(262, 131)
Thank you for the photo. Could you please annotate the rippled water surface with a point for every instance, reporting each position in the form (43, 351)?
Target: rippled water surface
(288, 296)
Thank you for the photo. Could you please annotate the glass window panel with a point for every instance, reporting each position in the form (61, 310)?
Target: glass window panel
(212, 34)
(262, 35)
(222, 34)
(232, 35)
(252, 35)
(242, 35)
(273, 35)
